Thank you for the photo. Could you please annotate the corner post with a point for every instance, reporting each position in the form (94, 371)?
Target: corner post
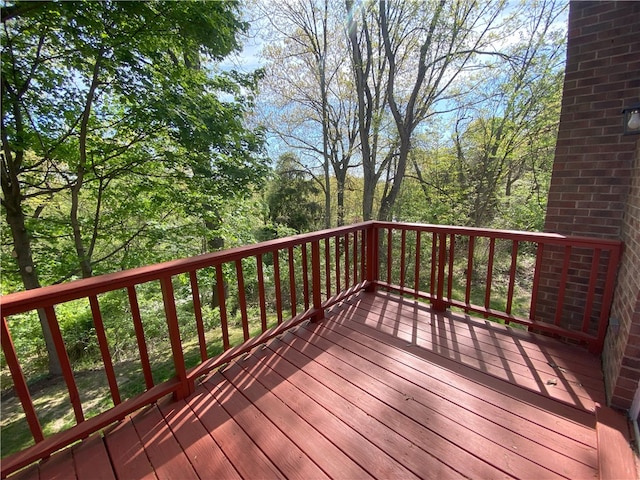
(316, 282)
(372, 257)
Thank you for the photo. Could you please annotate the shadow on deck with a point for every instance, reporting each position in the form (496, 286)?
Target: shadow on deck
(382, 388)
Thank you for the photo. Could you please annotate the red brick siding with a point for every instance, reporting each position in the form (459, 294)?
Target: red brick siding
(594, 189)
(621, 356)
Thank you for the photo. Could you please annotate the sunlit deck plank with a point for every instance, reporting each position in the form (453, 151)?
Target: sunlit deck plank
(403, 374)
(424, 452)
(164, 452)
(389, 448)
(465, 391)
(490, 338)
(205, 455)
(304, 435)
(127, 454)
(536, 376)
(291, 460)
(240, 450)
(277, 375)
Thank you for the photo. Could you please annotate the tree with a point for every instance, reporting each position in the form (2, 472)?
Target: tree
(506, 130)
(291, 196)
(99, 97)
(307, 84)
(369, 69)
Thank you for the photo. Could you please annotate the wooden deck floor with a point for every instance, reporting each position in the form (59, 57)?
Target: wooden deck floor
(383, 388)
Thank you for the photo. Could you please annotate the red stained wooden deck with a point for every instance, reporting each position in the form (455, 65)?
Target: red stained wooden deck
(381, 388)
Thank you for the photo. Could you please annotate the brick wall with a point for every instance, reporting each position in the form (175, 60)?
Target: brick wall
(594, 167)
(621, 356)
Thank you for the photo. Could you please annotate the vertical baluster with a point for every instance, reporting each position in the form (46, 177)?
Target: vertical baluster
(563, 284)
(452, 251)
(434, 264)
(305, 276)
(67, 373)
(512, 276)
(261, 294)
(171, 314)
(403, 253)
(593, 279)
(316, 281)
(389, 246)
(442, 260)
(346, 261)
(20, 383)
(363, 249)
(197, 311)
(373, 258)
(327, 268)
(355, 257)
(487, 288)
(469, 275)
(292, 284)
(242, 300)
(416, 274)
(276, 275)
(142, 343)
(338, 271)
(104, 349)
(536, 281)
(222, 305)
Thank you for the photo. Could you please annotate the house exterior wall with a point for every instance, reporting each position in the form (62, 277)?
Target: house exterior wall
(594, 187)
(621, 355)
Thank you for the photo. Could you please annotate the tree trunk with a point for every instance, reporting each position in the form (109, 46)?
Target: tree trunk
(340, 181)
(28, 272)
(10, 166)
(215, 244)
(364, 113)
(83, 256)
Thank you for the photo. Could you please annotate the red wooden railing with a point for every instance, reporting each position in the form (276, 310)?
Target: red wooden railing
(578, 287)
(436, 263)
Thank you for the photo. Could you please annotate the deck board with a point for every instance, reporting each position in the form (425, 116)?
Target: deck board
(403, 373)
(439, 421)
(91, 460)
(204, 454)
(525, 372)
(292, 461)
(382, 388)
(167, 458)
(312, 381)
(490, 340)
(349, 441)
(307, 438)
(127, 454)
(238, 447)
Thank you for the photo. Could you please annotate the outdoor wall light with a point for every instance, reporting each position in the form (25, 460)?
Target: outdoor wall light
(632, 119)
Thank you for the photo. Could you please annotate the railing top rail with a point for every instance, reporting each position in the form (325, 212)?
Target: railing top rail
(27, 300)
(545, 237)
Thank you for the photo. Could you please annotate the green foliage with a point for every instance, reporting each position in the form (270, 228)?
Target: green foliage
(120, 131)
(290, 196)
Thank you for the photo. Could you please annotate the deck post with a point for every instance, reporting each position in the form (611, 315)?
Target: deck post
(372, 257)
(316, 282)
